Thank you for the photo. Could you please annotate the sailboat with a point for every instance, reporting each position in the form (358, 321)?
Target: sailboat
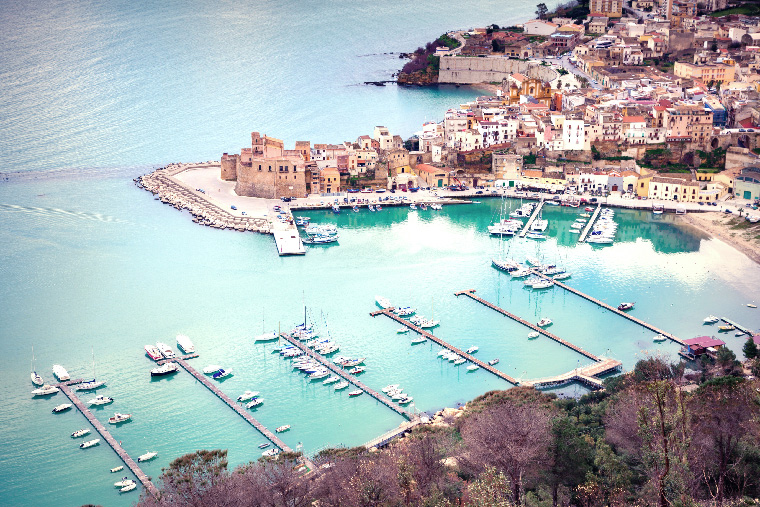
(36, 378)
(90, 384)
(264, 336)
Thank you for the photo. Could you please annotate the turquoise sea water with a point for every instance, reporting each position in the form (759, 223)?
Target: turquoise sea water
(93, 93)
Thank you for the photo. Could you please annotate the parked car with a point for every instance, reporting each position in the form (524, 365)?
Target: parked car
(285, 199)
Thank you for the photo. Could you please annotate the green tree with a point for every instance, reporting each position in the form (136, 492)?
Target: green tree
(491, 489)
(571, 456)
(750, 349)
(541, 10)
(189, 477)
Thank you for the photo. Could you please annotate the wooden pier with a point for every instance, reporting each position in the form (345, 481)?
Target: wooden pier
(612, 309)
(586, 375)
(388, 312)
(741, 328)
(471, 294)
(533, 216)
(65, 388)
(240, 409)
(590, 224)
(388, 436)
(350, 378)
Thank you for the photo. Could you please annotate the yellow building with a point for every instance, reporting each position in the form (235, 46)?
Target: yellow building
(705, 73)
(609, 8)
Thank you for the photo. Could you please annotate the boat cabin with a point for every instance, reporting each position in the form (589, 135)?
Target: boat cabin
(695, 347)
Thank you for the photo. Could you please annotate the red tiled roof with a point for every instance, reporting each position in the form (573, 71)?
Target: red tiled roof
(705, 341)
(633, 119)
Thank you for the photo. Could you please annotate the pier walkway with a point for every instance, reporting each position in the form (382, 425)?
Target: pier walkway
(388, 436)
(590, 224)
(203, 379)
(533, 216)
(287, 239)
(106, 435)
(471, 294)
(388, 312)
(612, 309)
(741, 328)
(586, 375)
(350, 378)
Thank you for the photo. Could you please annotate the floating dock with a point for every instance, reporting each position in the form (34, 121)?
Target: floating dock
(741, 328)
(471, 294)
(388, 312)
(612, 309)
(584, 233)
(350, 378)
(287, 239)
(533, 216)
(241, 410)
(106, 435)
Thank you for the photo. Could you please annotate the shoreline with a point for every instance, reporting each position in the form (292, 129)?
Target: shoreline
(716, 225)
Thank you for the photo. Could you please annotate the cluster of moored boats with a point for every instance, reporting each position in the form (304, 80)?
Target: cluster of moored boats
(396, 393)
(407, 311)
(537, 276)
(161, 351)
(604, 229)
(318, 234)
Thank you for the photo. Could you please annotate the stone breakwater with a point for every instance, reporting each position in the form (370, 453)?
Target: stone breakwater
(170, 191)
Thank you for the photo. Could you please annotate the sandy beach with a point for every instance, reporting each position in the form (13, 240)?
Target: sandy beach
(729, 228)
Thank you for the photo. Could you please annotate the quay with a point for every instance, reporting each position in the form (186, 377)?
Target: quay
(584, 234)
(533, 216)
(471, 294)
(741, 328)
(350, 378)
(106, 435)
(230, 403)
(388, 312)
(604, 305)
(287, 238)
(388, 436)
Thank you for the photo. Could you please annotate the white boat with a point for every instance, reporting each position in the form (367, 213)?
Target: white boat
(533, 335)
(184, 343)
(45, 390)
(535, 235)
(711, 319)
(89, 385)
(271, 453)
(341, 385)
(165, 350)
(382, 302)
(320, 374)
(62, 408)
(119, 418)
(153, 352)
(60, 373)
(545, 322)
(473, 367)
(659, 338)
(472, 350)
(459, 361)
(122, 483)
(128, 487)
(539, 224)
(521, 273)
(321, 239)
(222, 373)
(36, 378)
(405, 400)
(267, 337)
(402, 330)
(100, 400)
(405, 311)
(80, 433)
(331, 380)
(89, 443)
(356, 392)
(493, 361)
(576, 226)
(562, 276)
(412, 206)
(166, 369)
(117, 469)
(418, 340)
(436, 207)
(391, 387)
(213, 368)
(533, 261)
(254, 403)
(248, 395)
(658, 209)
(543, 284)
(147, 456)
(282, 429)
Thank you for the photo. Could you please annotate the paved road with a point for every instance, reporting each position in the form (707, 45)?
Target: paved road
(565, 63)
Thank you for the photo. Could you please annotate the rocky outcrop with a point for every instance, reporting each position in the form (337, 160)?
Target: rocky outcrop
(419, 78)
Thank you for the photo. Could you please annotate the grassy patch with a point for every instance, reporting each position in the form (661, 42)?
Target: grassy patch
(747, 9)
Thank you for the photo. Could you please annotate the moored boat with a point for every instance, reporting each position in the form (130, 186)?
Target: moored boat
(254, 403)
(625, 306)
(402, 330)
(36, 377)
(711, 319)
(542, 284)
(60, 373)
(473, 367)
(271, 453)
(80, 433)
(153, 352)
(266, 337)
(165, 350)
(166, 369)
(357, 370)
(90, 385)
(184, 343)
(45, 390)
(117, 469)
(222, 373)
(533, 335)
(264, 445)
(419, 340)
(357, 392)
(129, 487)
(472, 350)
(89, 443)
(63, 407)
(119, 418)
(659, 338)
(544, 322)
(341, 385)
(331, 380)
(493, 361)
(383, 302)
(283, 428)
(213, 368)
(100, 400)
(248, 395)
(727, 327)
(147, 456)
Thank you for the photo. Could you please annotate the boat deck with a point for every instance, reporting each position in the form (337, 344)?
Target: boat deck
(590, 224)
(349, 378)
(388, 312)
(106, 435)
(533, 216)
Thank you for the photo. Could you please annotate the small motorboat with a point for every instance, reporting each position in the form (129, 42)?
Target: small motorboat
(402, 330)
(357, 370)
(119, 418)
(419, 340)
(357, 392)
(459, 361)
(659, 338)
(341, 385)
(165, 350)
(562, 276)
(389, 388)
(533, 335)
(473, 367)
(166, 369)
(90, 385)
(545, 322)
(80, 433)
(493, 361)
(625, 306)
(271, 453)
(222, 373)
(283, 428)
(129, 487)
(152, 352)
(62, 408)
(123, 482)
(184, 343)
(267, 337)
(264, 445)
(405, 311)
(100, 400)
(89, 443)
(405, 400)
(472, 350)
(60, 373)
(147, 456)
(45, 390)
(711, 319)
(726, 328)
(542, 284)
(331, 380)
(254, 403)
(750, 305)
(248, 395)
(117, 469)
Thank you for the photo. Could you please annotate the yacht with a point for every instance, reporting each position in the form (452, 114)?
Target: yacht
(165, 350)
(153, 352)
(341, 385)
(45, 390)
(255, 403)
(545, 322)
(357, 392)
(166, 369)
(62, 408)
(321, 230)
(562, 276)
(472, 350)
(405, 311)
(727, 327)
(348, 363)
(473, 367)
(420, 339)
(147, 456)
(80, 433)
(90, 385)
(659, 338)
(331, 380)
(533, 335)
(119, 418)
(625, 306)
(321, 239)
(36, 377)
(123, 482)
(503, 230)
(89, 443)
(213, 368)
(382, 302)
(328, 349)
(405, 400)
(459, 361)
(711, 319)
(248, 395)
(117, 469)
(540, 224)
(267, 337)
(390, 387)
(222, 373)
(60, 373)
(521, 273)
(100, 400)
(402, 330)
(320, 374)
(507, 265)
(493, 362)
(283, 428)
(184, 343)
(542, 284)
(357, 370)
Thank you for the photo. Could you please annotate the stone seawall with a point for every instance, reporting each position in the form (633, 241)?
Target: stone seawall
(471, 70)
(169, 191)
